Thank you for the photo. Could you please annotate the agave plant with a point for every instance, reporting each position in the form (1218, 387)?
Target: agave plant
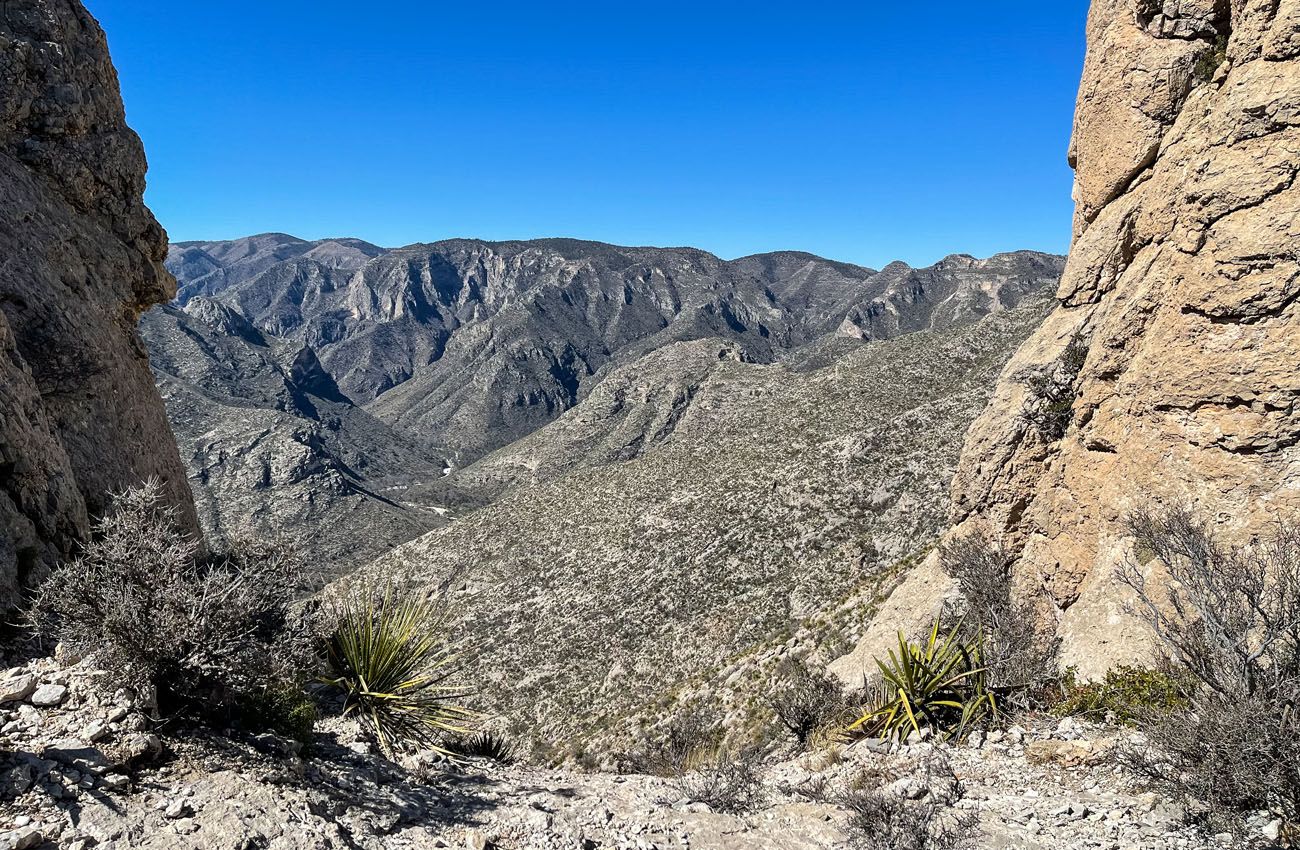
(389, 655)
(939, 683)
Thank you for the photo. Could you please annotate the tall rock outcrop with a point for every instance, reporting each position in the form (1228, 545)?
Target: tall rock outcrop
(80, 258)
(1180, 298)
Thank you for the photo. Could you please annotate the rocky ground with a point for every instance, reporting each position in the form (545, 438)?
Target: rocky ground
(81, 768)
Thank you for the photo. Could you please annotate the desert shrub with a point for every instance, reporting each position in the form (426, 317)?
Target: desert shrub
(1051, 390)
(688, 740)
(197, 632)
(1230, 617)
(390, 655)
(1126, 696)
(726, 780)
(1210, 60)
(487, 745)
(693, 751)
(284, 709)
(1021, 662)
(939, 683)
(805, 700)
(883, 817)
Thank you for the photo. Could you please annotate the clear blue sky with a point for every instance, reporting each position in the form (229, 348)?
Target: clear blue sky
(861, 131)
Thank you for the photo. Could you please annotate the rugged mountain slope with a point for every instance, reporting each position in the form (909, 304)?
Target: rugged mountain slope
(1182, 286)
(694, 505)
(80, 258)
(274, 448)
(467, 346)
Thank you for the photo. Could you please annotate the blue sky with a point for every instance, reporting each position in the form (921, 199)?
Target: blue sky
(861, 131)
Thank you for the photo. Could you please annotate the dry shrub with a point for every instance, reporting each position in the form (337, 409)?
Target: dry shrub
(704, 766)
(726, 780)
(1230, 618)
(893, 809)
(806, 700)
(201, 632)
(1021, 662)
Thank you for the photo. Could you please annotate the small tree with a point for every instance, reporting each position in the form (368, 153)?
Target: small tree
(198, 631)
(1229, 616)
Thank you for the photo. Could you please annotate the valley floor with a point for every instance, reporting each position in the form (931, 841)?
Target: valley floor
(80, 770)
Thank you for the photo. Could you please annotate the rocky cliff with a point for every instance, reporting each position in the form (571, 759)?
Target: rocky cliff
(1176, 342)
(80, 258)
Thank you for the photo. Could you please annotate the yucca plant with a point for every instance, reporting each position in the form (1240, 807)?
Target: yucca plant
(486, 745)
(939, 683)
(389, 655)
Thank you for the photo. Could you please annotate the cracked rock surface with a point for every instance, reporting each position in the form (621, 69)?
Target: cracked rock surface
(80, 258)
(1184, 281)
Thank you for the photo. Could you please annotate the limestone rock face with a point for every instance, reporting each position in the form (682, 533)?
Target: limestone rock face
(1182, 282)
(80, 257)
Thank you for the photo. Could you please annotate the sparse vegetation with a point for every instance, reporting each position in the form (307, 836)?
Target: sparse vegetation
(939, 684)
(1229, 615)
(705, 767)
(1021, 662)
(1051, 390)
(1210, 60)
(726, 780)
(1127, 695)
(196, 633)
(881, 818)
(390, 656)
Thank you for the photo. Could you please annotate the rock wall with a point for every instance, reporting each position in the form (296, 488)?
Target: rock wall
(80, 258)
(1182, 288)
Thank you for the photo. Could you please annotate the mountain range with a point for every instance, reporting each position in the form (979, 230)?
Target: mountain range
(653, 453)
(314, 379)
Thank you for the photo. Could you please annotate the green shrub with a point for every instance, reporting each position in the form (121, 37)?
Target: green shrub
(1127, 695)
(1209, 61)
(286, 710)
(390, 656)
(939, 684)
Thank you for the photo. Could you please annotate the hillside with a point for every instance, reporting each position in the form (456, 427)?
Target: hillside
(696, 505)
(356, 466)
(275, 449)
